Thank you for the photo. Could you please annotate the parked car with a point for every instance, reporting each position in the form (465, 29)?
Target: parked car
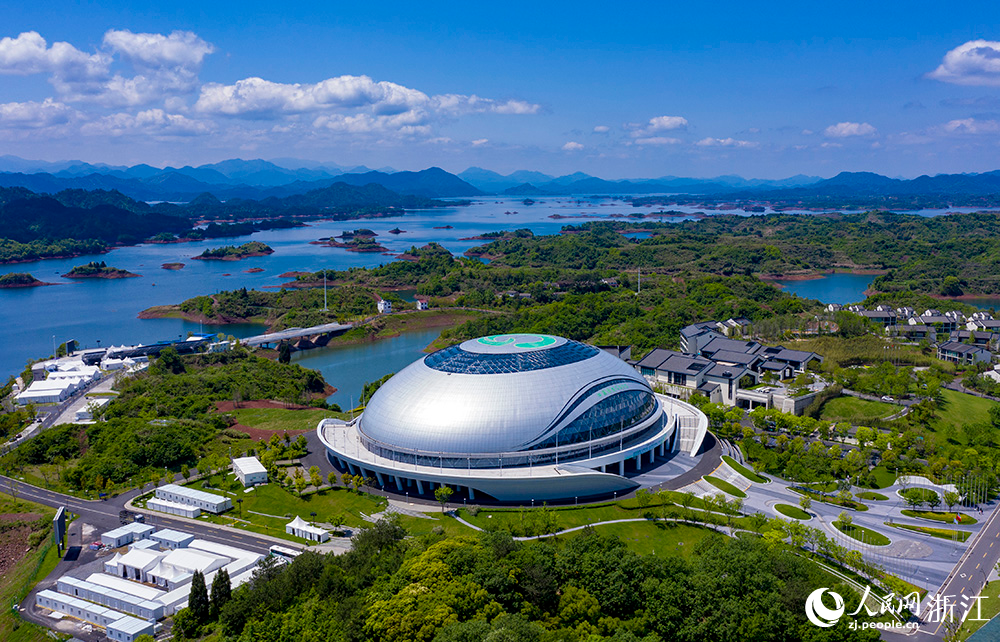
(887, 399)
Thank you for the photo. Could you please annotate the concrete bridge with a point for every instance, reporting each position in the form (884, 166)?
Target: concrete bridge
(320, 335)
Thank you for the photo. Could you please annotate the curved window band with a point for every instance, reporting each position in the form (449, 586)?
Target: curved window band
(609, 415)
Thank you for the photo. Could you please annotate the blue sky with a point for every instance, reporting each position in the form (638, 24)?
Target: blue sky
(687, 89)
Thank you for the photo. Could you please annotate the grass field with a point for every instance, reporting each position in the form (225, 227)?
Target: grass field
(958, 409)
(725, 486)
(948, 518)
(942, 533)
(862, 534)
(281, 418)
(854, 410)
(743, 470)
(18, 580)
(792, 511)
(652, 538)
(279, 506)
(884, 477)
(870, 496)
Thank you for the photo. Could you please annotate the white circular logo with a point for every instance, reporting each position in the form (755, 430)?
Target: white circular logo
(818, 614)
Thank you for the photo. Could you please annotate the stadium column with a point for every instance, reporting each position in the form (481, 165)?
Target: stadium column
(420, 487)
(399, 482)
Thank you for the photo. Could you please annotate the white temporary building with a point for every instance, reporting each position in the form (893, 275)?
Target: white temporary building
(129, 628)
(136, 564)
(109, 597)
(145, 543)
(172, 539)
(46, 391)
(126, 534)
(94, 405)
(177, 567)
(125, 586)
(173, 508)
(192, 497)
(249, 471)
(301, 528)
(80, 609)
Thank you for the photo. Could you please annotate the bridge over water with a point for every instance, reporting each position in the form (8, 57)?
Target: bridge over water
(291, 334)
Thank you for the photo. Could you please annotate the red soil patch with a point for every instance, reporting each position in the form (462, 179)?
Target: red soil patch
(13, 547)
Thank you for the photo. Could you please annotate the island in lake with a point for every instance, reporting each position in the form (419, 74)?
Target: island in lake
(98, 270)
(20, 280)
(235, 253)
(172, 266)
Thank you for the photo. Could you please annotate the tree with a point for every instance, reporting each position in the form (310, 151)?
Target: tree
(198, 599)
(951, 498)
(331, 478)
(300, 484)
(805, 502)
(913, 497)
(643, 497)
(284, 352)
(346, 480)
(843, 520)
(933, 500)
(222, 590)
(315, 476)
(443, 494)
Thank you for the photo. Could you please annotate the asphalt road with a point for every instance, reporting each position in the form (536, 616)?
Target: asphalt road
(103, 515)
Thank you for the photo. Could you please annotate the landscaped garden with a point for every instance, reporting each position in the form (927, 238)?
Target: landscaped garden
(725, 486)
(743, 470)
(792, 511)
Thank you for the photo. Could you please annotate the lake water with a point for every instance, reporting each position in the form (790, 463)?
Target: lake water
(103, 312)
(834, 288)
(350, 367)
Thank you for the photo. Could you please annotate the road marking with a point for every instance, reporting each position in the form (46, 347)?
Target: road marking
(977, 565)
(985, 554)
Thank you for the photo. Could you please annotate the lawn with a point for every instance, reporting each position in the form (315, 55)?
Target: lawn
(282, 419)
(862, 534)
(958, 409)
(743, 470)
(663, 538)
(854, 410)
(937, 516)
(267, 508)
(870, 496)
(725, 486)
(792, 511)
(883, 476)
(943, 533)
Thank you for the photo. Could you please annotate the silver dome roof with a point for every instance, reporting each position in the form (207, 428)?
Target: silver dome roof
(493, 394)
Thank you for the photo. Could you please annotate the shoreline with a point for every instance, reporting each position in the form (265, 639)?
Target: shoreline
(821, 274)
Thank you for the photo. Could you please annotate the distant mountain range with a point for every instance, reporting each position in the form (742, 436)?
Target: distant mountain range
(280, 178)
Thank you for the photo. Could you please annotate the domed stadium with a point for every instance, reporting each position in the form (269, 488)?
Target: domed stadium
(514, 417)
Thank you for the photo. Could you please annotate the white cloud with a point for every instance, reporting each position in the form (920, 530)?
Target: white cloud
(602, 129)
(976, 62)
(847, 129)
(411, 123)
(725, 142)
(152, 122)
(157, 51)
(480, 141)
(35, 115)
(971, 126)
(807, 132)
(657, 140)
(572, 146)
(30, 54)
(663, 123)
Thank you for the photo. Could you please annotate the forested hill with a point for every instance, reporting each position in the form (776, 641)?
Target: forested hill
(180, 185)
(73, 222)
(916, 253)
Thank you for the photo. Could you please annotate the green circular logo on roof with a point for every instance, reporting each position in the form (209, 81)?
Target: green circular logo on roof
(526, 340)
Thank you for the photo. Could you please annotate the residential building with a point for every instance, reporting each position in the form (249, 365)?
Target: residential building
(963, 353)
